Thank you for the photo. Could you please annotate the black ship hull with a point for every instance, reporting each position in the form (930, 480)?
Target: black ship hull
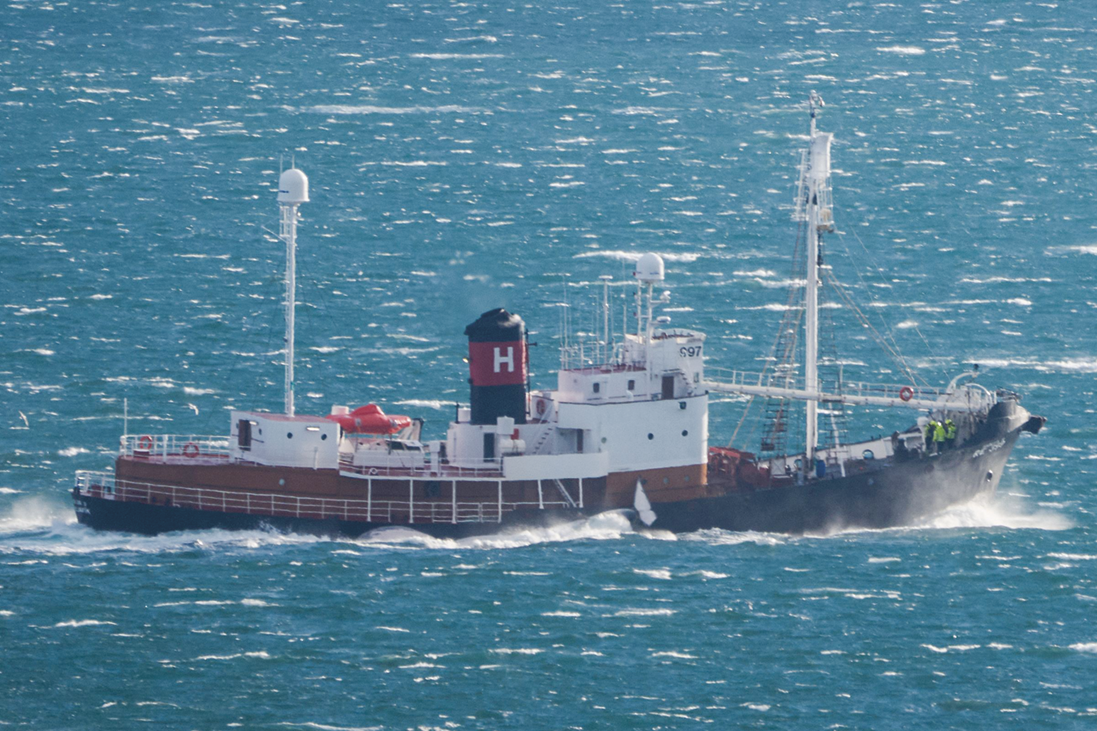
(103, 513)
(892, 495)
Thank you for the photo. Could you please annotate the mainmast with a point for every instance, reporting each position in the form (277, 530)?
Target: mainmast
(814, 207)
(293, 190)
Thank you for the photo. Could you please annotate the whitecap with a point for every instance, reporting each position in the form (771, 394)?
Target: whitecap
(662, 574)
(674, 654)
(902, 50)
(644, 613)
(604, 526)
(998, 511)
(84, 623)
(720, 537)
(371, 109)
(262, 655)
(455, 56)
(72, 451)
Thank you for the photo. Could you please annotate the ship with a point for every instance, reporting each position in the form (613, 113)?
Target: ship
(625, 429)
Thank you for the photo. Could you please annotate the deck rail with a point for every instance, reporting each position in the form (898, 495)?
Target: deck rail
(188, 446)
(371, 510)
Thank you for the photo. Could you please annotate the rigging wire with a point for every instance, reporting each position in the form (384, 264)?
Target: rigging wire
(895, 355)
(887, 327)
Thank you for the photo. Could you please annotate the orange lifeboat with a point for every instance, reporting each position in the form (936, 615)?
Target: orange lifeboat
(370, 419)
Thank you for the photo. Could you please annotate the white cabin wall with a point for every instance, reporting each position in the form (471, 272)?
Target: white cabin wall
(624, 427)
(287, 442)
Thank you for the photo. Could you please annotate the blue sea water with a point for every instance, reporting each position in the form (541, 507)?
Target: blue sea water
(467, 155)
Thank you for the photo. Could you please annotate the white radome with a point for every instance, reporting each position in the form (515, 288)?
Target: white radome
(649, 268)
(293, 187)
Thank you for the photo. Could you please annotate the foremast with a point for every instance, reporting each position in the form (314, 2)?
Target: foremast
(813, 207)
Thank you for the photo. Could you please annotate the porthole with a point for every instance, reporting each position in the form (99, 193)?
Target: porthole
(666, 480)
(685, 432)
(651, 436)
(289, 435)
(603, 440)
(323, 437)
(282, 482)
(868, 454)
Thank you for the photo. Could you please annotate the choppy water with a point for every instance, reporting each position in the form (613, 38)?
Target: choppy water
(468, 155)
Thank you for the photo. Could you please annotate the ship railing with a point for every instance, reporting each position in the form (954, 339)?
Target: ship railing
(776, 385)
(168, 446)
(423, 510)
(491, 469)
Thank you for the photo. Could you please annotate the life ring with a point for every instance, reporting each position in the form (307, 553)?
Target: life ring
(144, 443)
(373, 470)
(190, 450)
(541, 407)
(906, 393)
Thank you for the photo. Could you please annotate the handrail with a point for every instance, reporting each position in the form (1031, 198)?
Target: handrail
(174, 445)
(444, 471)
(105, 485)
(970, 397)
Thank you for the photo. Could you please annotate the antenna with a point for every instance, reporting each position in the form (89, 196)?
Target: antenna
(293, 190)
(605, 318)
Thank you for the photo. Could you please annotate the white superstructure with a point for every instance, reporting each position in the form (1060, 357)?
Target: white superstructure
(643, 407)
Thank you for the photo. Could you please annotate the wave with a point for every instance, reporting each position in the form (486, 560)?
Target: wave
(903, 50)
(987, 511)
(35, 514)
(604, 526)
(997, 511)
(38, 525)
(371, 109)
(1067, 365)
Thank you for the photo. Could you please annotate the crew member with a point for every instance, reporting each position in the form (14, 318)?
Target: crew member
(938, 436)
(931, 428)
(950, 433)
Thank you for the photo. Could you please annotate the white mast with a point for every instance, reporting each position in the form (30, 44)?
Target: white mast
(293, 190)
(607, 351)
(816, 209)
(649, 270)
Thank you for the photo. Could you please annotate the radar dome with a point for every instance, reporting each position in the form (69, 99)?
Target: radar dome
(649, 268)
(293, 187)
